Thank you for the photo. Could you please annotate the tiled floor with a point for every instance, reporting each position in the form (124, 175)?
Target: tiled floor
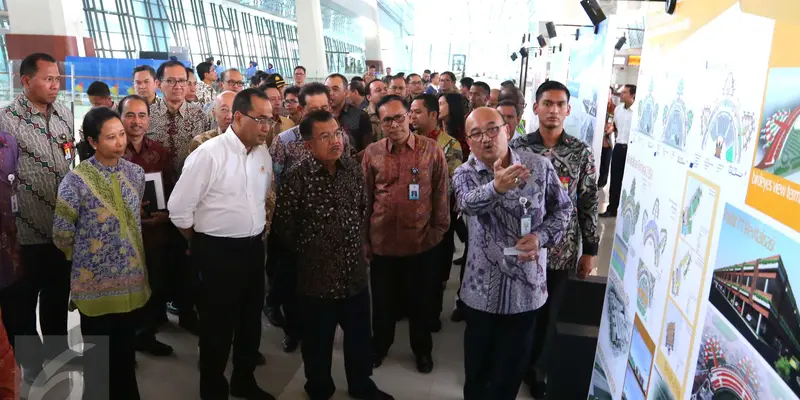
(176, 378)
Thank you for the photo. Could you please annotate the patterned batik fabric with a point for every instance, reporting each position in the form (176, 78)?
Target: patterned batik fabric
(321, 216)
(10, 265)
(398, 225)
(174, 130)
(97, 225)
(287, 149)
(493, 282)
(42, 163)
(574, 164)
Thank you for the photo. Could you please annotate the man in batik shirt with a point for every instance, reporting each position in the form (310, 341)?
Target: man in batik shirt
(574, 164)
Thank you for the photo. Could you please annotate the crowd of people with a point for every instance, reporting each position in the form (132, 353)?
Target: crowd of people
(347, 194)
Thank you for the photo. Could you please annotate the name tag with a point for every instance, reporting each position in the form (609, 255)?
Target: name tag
(14, 204)
(413, 191)
(525, 225)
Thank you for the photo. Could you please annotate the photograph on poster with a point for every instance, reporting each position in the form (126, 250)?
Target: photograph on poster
(752, 331)
(599, 389)
(779, 140)
(677, 119)
(659, 389)
(585, 82)
(640, 362)
(687, 279)
(697, 212)
(618, 314)
(676, 337)
(728, 130)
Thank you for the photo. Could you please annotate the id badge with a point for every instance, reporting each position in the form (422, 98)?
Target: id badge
(67, 154)
(525, 225)
(413, 191)
(14, 204)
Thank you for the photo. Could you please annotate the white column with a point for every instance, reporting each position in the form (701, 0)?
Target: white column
(46, 17)
(372, 38)
(310, 38)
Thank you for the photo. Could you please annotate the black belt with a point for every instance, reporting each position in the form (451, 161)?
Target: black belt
(248, 239)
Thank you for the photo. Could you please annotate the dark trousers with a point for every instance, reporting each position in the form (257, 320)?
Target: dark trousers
(231, 297)
(185, 281)
(496, 353)
(445, 248)
(119, 330)
(545, 334)
(605, 164)
(273, 260)
(45, 281)
(399, 281)
(284, 293)
(319, 318)
(154, 311)
(617, 172)
(463, 236)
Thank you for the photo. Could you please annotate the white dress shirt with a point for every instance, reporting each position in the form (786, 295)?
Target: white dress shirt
(222, 191)
(623, 118)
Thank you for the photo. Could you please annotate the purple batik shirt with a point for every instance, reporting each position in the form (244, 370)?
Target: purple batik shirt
(495, 283)
(9, 247)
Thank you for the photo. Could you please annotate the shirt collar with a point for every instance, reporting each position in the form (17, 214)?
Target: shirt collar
(536, 138)
(145, 145)
(104, 168)
(411, 142)
(435, 133)
(27, 105)
(480, 166)
(234, 141)
(317, 167)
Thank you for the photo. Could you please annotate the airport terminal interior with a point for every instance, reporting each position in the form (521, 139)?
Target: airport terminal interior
(672, 191)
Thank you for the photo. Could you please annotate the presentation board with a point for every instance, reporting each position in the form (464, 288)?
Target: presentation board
(699, 302)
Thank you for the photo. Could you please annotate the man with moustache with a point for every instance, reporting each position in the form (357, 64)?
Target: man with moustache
(219, 204)
(153, 158)
(408, 214)
(145, 82)
(328, 249)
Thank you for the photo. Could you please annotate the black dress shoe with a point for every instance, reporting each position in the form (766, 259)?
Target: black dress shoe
(250, 392)
(436, 327)
(290, 344)
(456, 315)
(460, 260)
(275, 316)
(148, 344)
(608, 214)
(425, 364)
(377, 395)
(377, 360)
(173, 309)
(260, 359)
(538, 389)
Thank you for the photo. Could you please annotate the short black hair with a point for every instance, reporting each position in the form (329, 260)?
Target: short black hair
(268, 85)
(411, 75)
(511, 103)
(204, 68)
(510, 93)
(372, 66)
(388, 99)
(189, 71)
(259, 76)
(243, 102)
(467, 81)
(369, 86)
(300, 67)
(358, 87)
(91, 127)
(451, 75)
(550, 86)
(98, 88)
(338, 75)
(427, 71)
(508, 83)
(391, 78)
(133, 97)
(29, 66)
(632, 89)
(401, 74)
(224, 74)
(356, 79)
(167, 64)
(145, 68)
(483, 85)
(294, 89)
(311, 89)
(430, 102)
(307, 124)
(434, 74)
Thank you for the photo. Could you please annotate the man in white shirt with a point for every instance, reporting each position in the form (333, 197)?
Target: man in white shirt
(623, 115)
(219, 204)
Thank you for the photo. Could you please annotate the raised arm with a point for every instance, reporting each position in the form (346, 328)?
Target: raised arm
(473, 198)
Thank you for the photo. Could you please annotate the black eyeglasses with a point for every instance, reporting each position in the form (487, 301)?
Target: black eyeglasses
(264, 121)
(387, 122)
(490, 132)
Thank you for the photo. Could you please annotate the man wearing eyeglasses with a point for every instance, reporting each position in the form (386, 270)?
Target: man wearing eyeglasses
(515, 208)
(219, 205)
(408, 213)
(291, 103)
(332, 284)
(173, 124)
(415, 86)
(279, 123)
(232, 80)
(577, 252)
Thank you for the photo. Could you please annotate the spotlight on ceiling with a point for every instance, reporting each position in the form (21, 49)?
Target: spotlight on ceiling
(541, 40)
(620, 43)
(523, 52)
(594, 11)
(513, 56)
(551, 29)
